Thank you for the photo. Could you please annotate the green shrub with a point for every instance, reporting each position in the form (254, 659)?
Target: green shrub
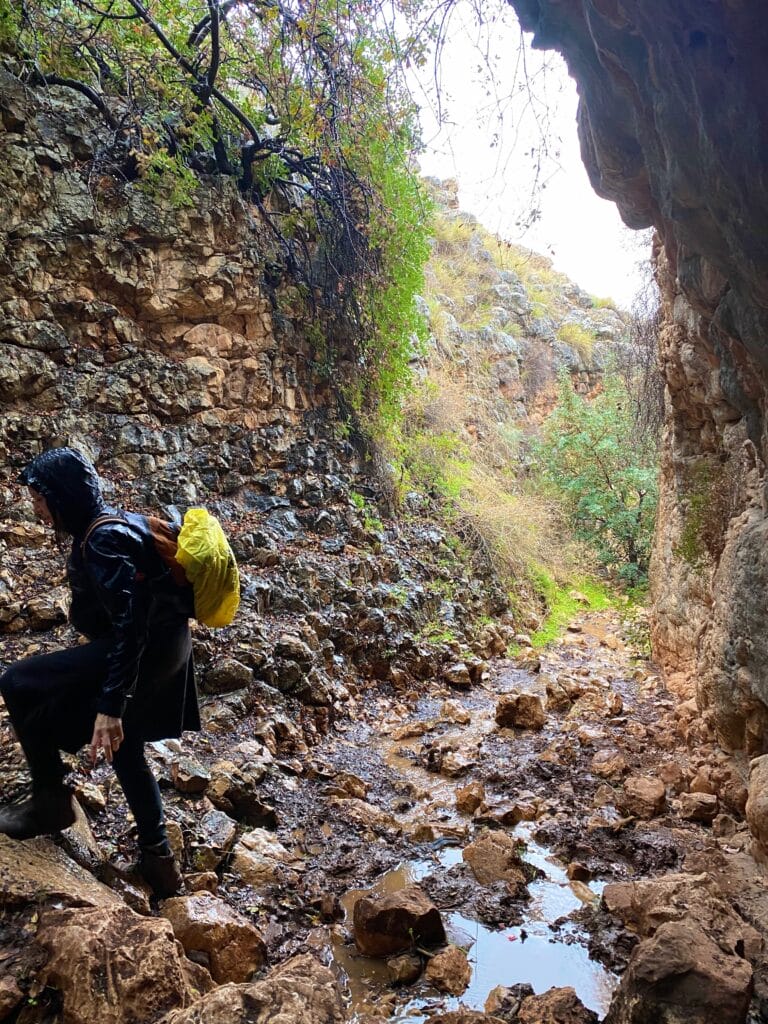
(604, 473)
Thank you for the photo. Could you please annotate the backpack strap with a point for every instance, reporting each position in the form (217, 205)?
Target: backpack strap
(97, 522)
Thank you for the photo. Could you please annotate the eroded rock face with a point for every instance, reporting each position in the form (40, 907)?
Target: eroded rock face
(143, 332)
(662, 87)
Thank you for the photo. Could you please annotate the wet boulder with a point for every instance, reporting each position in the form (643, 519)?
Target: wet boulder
(203, 923)
(404, 969)
(681, 975)
(452, 711)
(520, 711)
(300, 991)
(495, 857)
(215, 836)
(470, 797)
(189, 776)
(48, 610)
(235, 791)
(701, 807)
(458, 675)
(449, 971)
(259, 858)
(505, 1001)
(643, 796)
(557, 1006)
(226, 676)
(392, 923)
(113, 966)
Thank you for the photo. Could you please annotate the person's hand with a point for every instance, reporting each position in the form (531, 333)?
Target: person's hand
(107, 736)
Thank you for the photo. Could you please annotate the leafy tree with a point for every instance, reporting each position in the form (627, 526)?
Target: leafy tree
(591, 454)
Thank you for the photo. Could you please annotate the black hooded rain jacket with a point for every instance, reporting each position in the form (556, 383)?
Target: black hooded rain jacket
(122, 591)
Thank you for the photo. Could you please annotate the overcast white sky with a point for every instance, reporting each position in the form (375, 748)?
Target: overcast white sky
(497, 99)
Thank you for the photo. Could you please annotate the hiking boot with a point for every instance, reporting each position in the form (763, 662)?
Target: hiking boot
(160, 870)
(45, 812)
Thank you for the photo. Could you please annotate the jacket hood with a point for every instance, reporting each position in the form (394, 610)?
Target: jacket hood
(70, 485)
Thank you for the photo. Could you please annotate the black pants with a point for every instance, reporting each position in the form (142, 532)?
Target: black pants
(51, 699)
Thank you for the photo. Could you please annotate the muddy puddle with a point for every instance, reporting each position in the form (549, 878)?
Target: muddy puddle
(529, 952)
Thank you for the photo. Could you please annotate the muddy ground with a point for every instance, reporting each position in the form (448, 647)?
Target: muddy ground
(373, 806)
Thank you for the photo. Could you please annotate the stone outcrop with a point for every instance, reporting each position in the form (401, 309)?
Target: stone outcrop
(692, 964)
(114, 966)
(155, 336)
(673, 128)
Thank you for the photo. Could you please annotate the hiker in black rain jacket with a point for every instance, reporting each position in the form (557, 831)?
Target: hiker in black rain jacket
(132, 682)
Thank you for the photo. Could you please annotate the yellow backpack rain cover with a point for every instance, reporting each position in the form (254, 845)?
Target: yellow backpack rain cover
(210, 566)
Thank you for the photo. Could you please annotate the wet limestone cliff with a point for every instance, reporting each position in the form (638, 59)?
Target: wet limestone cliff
(157, 335)
(674, 128)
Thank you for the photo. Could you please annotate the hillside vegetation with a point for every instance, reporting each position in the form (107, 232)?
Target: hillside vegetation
(515, 349)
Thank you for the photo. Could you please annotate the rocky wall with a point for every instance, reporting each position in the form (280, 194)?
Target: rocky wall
(674, 128)
(157, 335)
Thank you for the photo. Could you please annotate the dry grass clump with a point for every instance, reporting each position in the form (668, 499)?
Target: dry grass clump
(515, 529)
(577, 337)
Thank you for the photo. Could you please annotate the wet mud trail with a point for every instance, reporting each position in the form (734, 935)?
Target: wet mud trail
(405, 789)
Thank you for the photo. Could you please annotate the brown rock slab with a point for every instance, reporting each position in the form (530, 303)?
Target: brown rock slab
(204, 923)
(681, 976)
(113, 966)
(449, 971)
(557, 1006)
(608, 764)
(37, 871)
(364, 815)
(470, 797)
(520, 711)
(494, 857)
(643, 796)
(300, 991)
(392, 923)
(698, 807)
